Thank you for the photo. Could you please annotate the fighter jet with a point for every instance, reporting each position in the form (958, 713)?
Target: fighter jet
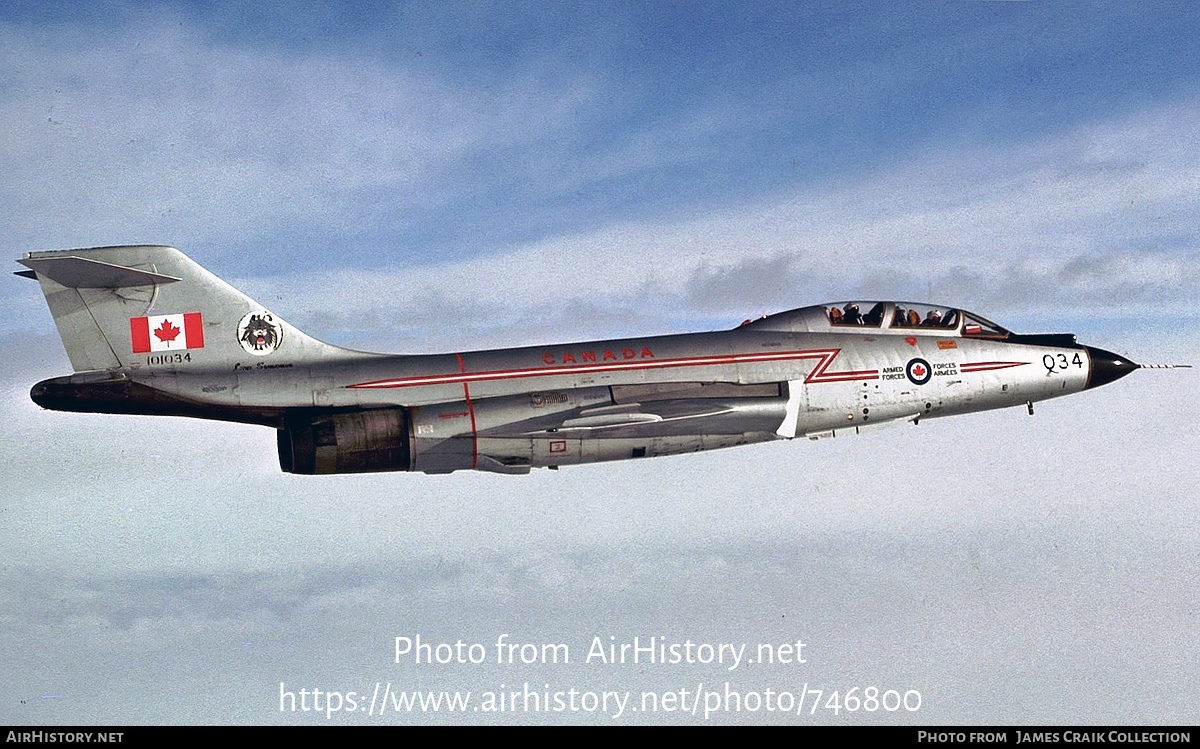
(148, 331)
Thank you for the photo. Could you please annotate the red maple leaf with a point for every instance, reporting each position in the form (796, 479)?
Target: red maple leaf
(918, 371)
(166, 332)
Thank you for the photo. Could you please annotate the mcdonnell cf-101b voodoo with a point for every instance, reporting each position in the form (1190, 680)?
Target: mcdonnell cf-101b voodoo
(148, 331)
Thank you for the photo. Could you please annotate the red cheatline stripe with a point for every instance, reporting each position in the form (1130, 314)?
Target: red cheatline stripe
(817, 375)
(983, 366)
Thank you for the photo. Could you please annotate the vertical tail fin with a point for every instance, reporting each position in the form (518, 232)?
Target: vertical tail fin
(138, 306)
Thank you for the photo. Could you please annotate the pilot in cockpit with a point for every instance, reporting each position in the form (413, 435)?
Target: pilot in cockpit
(874, 318)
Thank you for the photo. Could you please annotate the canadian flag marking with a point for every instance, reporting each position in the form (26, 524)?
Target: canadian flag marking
(166, 332)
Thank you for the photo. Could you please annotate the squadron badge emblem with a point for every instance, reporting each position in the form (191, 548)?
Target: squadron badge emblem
(259, 333)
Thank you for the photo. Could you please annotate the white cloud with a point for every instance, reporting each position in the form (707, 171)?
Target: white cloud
(1007, 566)
(156, 129)
(984, 623)
(1057, 225)
(167, 133)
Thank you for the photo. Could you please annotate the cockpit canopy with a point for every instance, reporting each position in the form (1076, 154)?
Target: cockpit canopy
(881, 317)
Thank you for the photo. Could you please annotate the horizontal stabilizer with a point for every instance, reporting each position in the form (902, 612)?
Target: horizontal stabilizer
(81, 273)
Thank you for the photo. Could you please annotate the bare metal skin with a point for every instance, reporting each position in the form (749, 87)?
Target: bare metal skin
(148, 331)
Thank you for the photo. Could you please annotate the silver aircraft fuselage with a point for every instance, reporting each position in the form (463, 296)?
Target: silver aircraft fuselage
(817, 371)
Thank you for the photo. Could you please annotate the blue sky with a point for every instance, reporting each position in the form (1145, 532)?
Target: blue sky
(291, 142)
(523, 123)
(448, 176)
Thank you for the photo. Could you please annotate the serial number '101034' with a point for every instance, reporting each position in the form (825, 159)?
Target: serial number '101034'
(177, 358)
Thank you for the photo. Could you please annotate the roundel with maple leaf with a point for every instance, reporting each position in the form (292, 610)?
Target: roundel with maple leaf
(918, 371)
(259, 333)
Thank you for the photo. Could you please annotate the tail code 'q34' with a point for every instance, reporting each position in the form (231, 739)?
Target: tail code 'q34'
(148, 331)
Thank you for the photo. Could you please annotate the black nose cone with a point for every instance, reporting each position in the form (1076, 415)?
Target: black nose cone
(1106, 367)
